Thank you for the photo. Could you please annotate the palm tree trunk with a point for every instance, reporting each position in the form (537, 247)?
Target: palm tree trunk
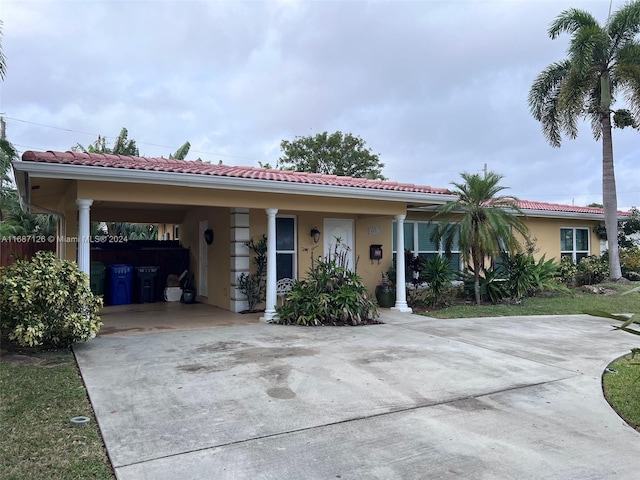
(610, 198)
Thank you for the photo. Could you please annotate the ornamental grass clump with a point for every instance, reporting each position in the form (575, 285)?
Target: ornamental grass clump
(47, 302)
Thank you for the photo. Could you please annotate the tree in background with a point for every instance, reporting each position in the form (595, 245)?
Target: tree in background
(603, 64)
(331, 154)
(486, 224)
(3, 62)
(122, 145)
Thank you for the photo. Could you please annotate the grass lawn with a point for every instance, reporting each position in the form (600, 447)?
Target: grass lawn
(622, 390)
(37, 440)
(554, 304)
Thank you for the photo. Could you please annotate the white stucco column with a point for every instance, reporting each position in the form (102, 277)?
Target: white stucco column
(270, 308)
(401, 288)
(84, 230)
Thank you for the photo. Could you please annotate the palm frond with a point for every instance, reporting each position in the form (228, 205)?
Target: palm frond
(624, 25)
(570, 21)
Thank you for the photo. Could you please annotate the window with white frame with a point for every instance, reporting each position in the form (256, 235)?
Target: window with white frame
(417, 239)
(574, 243)
(285, 247)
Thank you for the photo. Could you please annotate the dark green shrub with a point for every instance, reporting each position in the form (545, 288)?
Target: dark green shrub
(526, 277)
(47, 301)
(492, 285)
(330, 295)
(567, 271)
(630, 262)
(591, 270)
(438, 274)
(254, 285)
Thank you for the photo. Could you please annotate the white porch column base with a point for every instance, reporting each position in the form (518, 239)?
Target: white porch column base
(401, 289)
(84, 231)
(270, 308)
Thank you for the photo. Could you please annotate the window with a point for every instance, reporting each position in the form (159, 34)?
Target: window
(417, 239)
(285, 247)
(574, 243)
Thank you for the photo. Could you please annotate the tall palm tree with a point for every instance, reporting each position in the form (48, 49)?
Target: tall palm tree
(487, 223)
(603, 62)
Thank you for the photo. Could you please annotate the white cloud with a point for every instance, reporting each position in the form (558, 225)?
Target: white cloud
(435, 87)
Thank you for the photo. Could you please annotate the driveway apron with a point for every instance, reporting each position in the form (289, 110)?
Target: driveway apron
(417, 397)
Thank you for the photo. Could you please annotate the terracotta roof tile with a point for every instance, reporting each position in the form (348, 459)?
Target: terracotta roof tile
(203, 168)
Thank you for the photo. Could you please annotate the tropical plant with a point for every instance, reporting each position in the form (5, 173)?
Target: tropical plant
(332, 294)
(492, 285)
(567, 271)
(438, 274)
(591, 270)
(130, 231)
(122, 146)
(526, 277)
(603, 64)
(486, 225)
(630, 262)
(253, 285)
(3, 63)
(47, 301)
(332, 154)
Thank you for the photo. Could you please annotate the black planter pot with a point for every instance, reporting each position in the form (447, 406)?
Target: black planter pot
(386, 296)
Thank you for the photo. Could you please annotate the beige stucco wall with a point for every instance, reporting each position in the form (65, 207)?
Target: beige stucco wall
(218, 252)
(545, 232)
(368, 230)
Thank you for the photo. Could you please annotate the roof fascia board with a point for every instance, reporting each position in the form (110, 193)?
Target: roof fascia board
(89, 173)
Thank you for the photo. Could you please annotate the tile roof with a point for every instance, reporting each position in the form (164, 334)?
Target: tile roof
(555, 207)
(204, 168)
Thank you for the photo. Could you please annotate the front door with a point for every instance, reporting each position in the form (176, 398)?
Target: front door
(339, 231)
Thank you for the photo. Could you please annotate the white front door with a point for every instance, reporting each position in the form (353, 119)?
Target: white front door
(203, 264)
(339, 230)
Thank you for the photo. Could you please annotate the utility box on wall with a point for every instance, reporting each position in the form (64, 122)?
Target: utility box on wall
(375, 252)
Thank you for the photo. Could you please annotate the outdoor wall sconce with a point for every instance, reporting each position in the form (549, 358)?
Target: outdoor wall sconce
(315, 234)
(208, 236)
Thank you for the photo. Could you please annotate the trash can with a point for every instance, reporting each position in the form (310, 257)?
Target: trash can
(98, 274)
(145, 284)
(120, 284)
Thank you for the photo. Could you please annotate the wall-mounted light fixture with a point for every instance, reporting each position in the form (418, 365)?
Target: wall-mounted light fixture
(315, 234)
(208, 236)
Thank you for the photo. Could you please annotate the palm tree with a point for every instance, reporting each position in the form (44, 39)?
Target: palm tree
(3, 64)
(603, 61)
(486, 225)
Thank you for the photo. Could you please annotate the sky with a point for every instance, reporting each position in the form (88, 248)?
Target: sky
(436, 88)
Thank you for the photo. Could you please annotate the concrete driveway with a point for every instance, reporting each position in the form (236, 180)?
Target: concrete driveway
(416, 398)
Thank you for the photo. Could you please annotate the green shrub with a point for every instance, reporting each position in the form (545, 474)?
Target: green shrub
(492, 285)
(526, 277)
(330, 295)
(630, 263)
(47, 301)
(254, 285)
(591, 270)
(567, 271)
(437, 272)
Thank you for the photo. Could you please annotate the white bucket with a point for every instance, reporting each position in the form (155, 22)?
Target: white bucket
(172, 294)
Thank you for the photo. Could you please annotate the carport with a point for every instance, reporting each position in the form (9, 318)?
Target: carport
(119, 320)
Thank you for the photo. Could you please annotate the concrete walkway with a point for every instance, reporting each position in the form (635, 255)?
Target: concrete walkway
(416, 398)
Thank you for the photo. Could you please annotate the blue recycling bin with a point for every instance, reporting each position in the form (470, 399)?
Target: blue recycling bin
(120, 284)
